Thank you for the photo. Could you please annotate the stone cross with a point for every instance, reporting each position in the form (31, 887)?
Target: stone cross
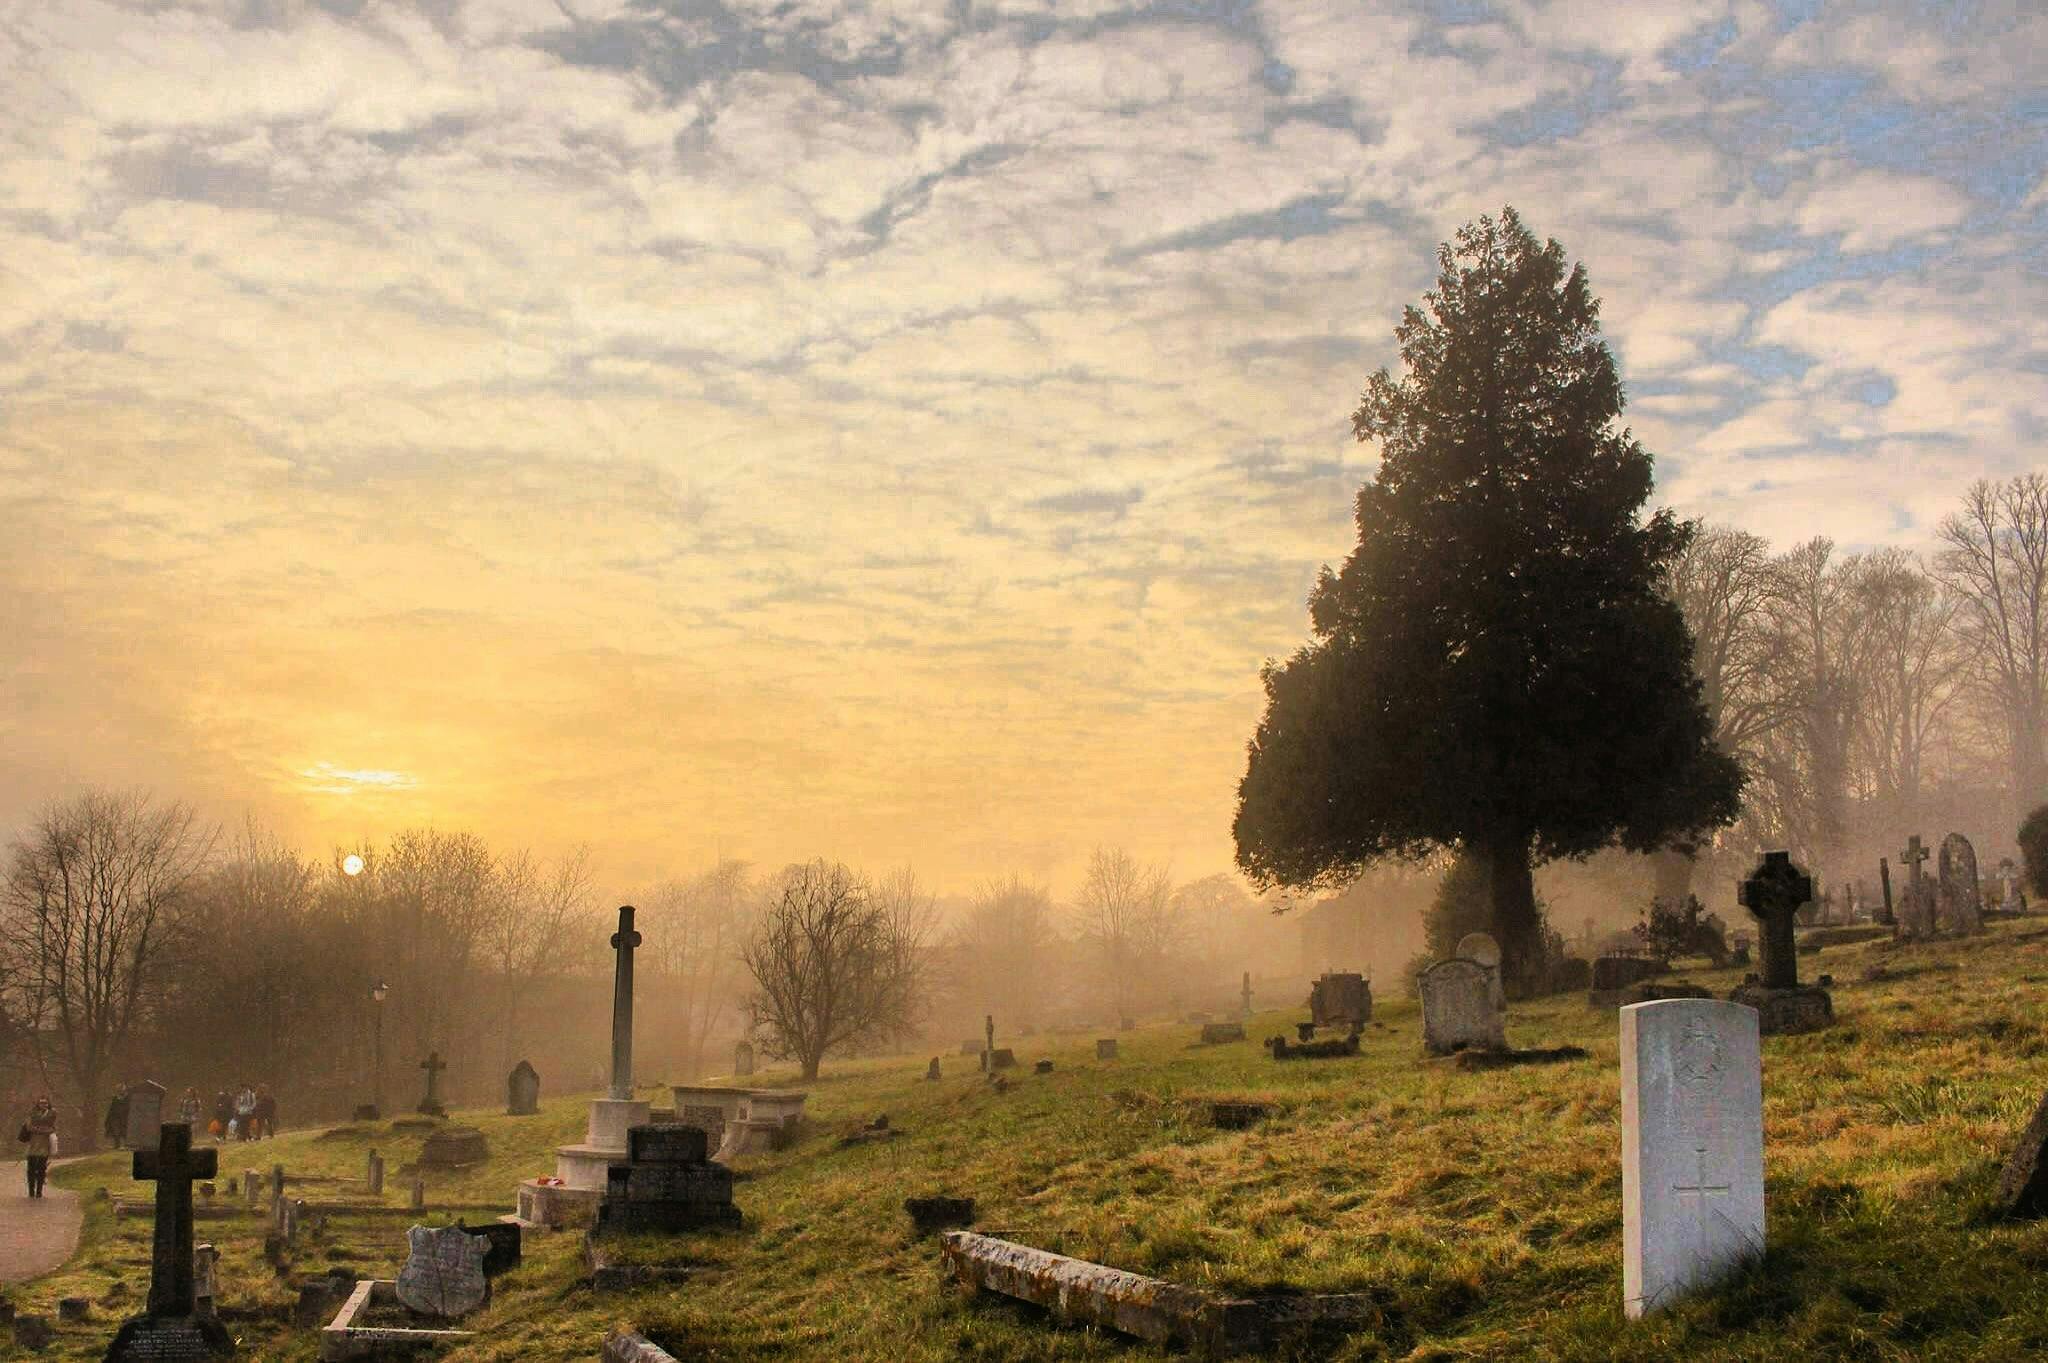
(433, 1065)
(1774, 892)
(174, 1166)
(623, 942)
(988, 1026)
(1246, 993)
(1912, 856)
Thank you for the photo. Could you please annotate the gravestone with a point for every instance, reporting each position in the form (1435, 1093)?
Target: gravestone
(1692, 1147)
(454, 1147)
(1884, 879)
(666, 1185)
(988, 1027)
(522, 1090)
(1105, 1048)
(171, 1327)
(504, 1245)
(145, 1114)
(1245, 994)
(1773, 892)
(1000, 1059)
(1340, 998)
(205, 1270)
(1480, 947)
(419, 1193)
(931, 1071)
(374, 1174)
(1216, 1033)
(431, 1104)
(444, 1272)
(1917, 916)
(2023, 1182)
(1042, 1067)
(1962, 901)
(1459, 1011)
(743, 1059)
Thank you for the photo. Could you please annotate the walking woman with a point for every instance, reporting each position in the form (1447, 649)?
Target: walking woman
(191, 1109)
(40, 1131)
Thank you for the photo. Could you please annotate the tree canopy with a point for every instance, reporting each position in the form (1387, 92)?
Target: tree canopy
(1496, 667)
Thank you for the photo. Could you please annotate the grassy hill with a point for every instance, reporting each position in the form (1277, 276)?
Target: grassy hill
(1482, 1209)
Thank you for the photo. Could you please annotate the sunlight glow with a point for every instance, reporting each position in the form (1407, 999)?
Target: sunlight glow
(328, 779)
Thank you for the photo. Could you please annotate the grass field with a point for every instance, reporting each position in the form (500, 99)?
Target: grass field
(1482, 1210)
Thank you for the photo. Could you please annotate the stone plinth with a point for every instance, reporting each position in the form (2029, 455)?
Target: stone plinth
(1692, 1147)
(666, 1185)
(455, 1147)
(583, 1166)
(1802, 1008)
(709, 1107)
(557, 1206)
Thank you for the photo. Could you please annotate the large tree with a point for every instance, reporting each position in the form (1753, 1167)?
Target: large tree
(1496, 668)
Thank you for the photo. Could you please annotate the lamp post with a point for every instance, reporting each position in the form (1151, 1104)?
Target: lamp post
(378, 993)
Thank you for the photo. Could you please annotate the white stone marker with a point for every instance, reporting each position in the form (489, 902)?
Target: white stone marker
(1692, 1147)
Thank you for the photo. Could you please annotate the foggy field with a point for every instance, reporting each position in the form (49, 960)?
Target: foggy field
(1482, 1209)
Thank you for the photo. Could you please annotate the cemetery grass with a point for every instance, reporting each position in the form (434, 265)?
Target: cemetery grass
(1481, 1211)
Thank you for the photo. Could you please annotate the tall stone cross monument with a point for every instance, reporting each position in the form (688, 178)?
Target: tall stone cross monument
(1246, 993)
(170, 1328)
(1775, 892)
(432, 1104)
(623, 942)
(988, 1027)
(1912, 855)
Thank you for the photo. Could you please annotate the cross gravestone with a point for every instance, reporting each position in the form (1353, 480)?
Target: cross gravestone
(171, 1327)
(522, 1090)
(1458, 1008)
(444, 1272)
(1774, 892)
(1692, 1147)
(145, 1114)
(431, 1104)
(988, 1027)
(1245, 993)
(1918, 917)
(624, 941)
(1962, 901)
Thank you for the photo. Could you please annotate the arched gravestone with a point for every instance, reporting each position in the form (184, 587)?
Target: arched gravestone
(1962, 904)
(1458, 1008)
(522, 1090)
(1480, 947)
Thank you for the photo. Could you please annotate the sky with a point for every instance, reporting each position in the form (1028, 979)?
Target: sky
(895, 432)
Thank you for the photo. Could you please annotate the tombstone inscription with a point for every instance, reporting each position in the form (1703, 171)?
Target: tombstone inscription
(1692, 1155)
(444, 1272)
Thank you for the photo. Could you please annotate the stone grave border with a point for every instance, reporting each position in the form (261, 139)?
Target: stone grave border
(342, 1338)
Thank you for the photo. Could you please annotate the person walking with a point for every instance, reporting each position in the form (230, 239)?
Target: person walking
(40, 1133)
(266, 1112)
(116, 1125)
(245, 1113)
(223, 1113)
(191, 1108)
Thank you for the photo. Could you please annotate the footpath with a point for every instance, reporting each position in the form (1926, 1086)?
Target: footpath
(36, 1234)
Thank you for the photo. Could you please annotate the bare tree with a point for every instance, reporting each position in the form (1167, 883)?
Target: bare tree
(829, 971)
(1000, 950)
(534, 910)
(1995, 560)
(697, 928)
(1817, 667)
(1124, 917)
(1912, 665)
(92, 895)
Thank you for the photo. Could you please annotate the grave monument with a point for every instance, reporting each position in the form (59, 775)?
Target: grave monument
(1459, 1011)
(1961, 900)
(145, 1114)
(1774, 892)
(171, 1327)
(431, 1105)
(522, 1090)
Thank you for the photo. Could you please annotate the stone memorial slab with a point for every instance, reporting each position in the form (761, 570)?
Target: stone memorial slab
(1692, 1147)
(145, 1114)
(1105, 1048)
(1960, 896)
(522, 1090)
(454, 1147)
(444, 1272)
(1459, 1009)
(1335, 999)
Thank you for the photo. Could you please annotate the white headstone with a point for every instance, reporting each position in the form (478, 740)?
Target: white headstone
(145, 1114)
(1692, 1147)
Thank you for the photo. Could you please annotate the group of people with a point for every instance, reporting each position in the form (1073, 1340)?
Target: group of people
(247, 1114)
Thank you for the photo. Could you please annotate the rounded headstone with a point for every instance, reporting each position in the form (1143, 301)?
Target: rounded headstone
(1480, 947)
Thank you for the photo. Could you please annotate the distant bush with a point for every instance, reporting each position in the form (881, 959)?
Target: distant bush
(1669, 930)
(2034, 850)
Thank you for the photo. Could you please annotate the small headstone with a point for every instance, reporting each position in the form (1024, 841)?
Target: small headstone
(444, 1272)
(1216, 1033)
(34, 1333)
(2023, 1182)
(1692, 1147)
(419, 1193)
(1460, 1008)
(522, 1090)
(931, 1071)
(145, 1114)
(73, 1309)
(743, 1059)
(1042, 1067)
(1105, 1048)
(252, 1187)
(1305, 1031)
(374, 1174)
(1961, 898)
(1340, 998)
(1002, 1059)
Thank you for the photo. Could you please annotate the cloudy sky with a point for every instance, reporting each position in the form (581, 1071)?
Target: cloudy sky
(891, 430)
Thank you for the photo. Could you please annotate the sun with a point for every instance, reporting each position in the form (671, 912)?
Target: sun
(351, 865)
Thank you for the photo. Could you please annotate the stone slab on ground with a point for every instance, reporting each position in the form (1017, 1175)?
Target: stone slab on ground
(627, 1346)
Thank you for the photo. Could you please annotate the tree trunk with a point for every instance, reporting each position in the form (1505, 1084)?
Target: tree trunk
(1514, 918)
(811, 1067)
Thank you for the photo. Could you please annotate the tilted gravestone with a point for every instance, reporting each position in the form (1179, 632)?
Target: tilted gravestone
(444, 1272)
(145, 1114)
(522, 1090)
(1692, 1147)
(1459, 1011)
(1960, 898)
(171, 1327)
(2023, 1182)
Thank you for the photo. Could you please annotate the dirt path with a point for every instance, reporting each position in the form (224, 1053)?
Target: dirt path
(36, 1235)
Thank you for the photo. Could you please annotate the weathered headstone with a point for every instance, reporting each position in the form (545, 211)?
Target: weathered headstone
(171, 1328)
(145, 1114)
(419, 1193)
(431, 1104)
(1773, 892)
(205, 1270)
(444, 1272)
(988, 1027)
(743, 1059)
(1245, 994)
(374, 1174)
(1105, 1048)
(2023, 1182)
(1340, 998)
(1459, 1011)
(1918, 918)
(931, 1071)
(1002, 1059)
(522, 1090)
(73, 1309)
(1884, 879)
(1692, 1147)
(1962, 901)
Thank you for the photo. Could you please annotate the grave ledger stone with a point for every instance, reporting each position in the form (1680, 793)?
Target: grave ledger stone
(1774, 892)
(171, 1327)
(1692, 1147)
(522, 1090)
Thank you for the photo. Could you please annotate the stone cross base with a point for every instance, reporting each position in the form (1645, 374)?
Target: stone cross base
(556, 1207)
(1802, 1008)
(171, 1339)
(610, 1120)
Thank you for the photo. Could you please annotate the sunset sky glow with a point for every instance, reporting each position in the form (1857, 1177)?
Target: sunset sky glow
(892, 431)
